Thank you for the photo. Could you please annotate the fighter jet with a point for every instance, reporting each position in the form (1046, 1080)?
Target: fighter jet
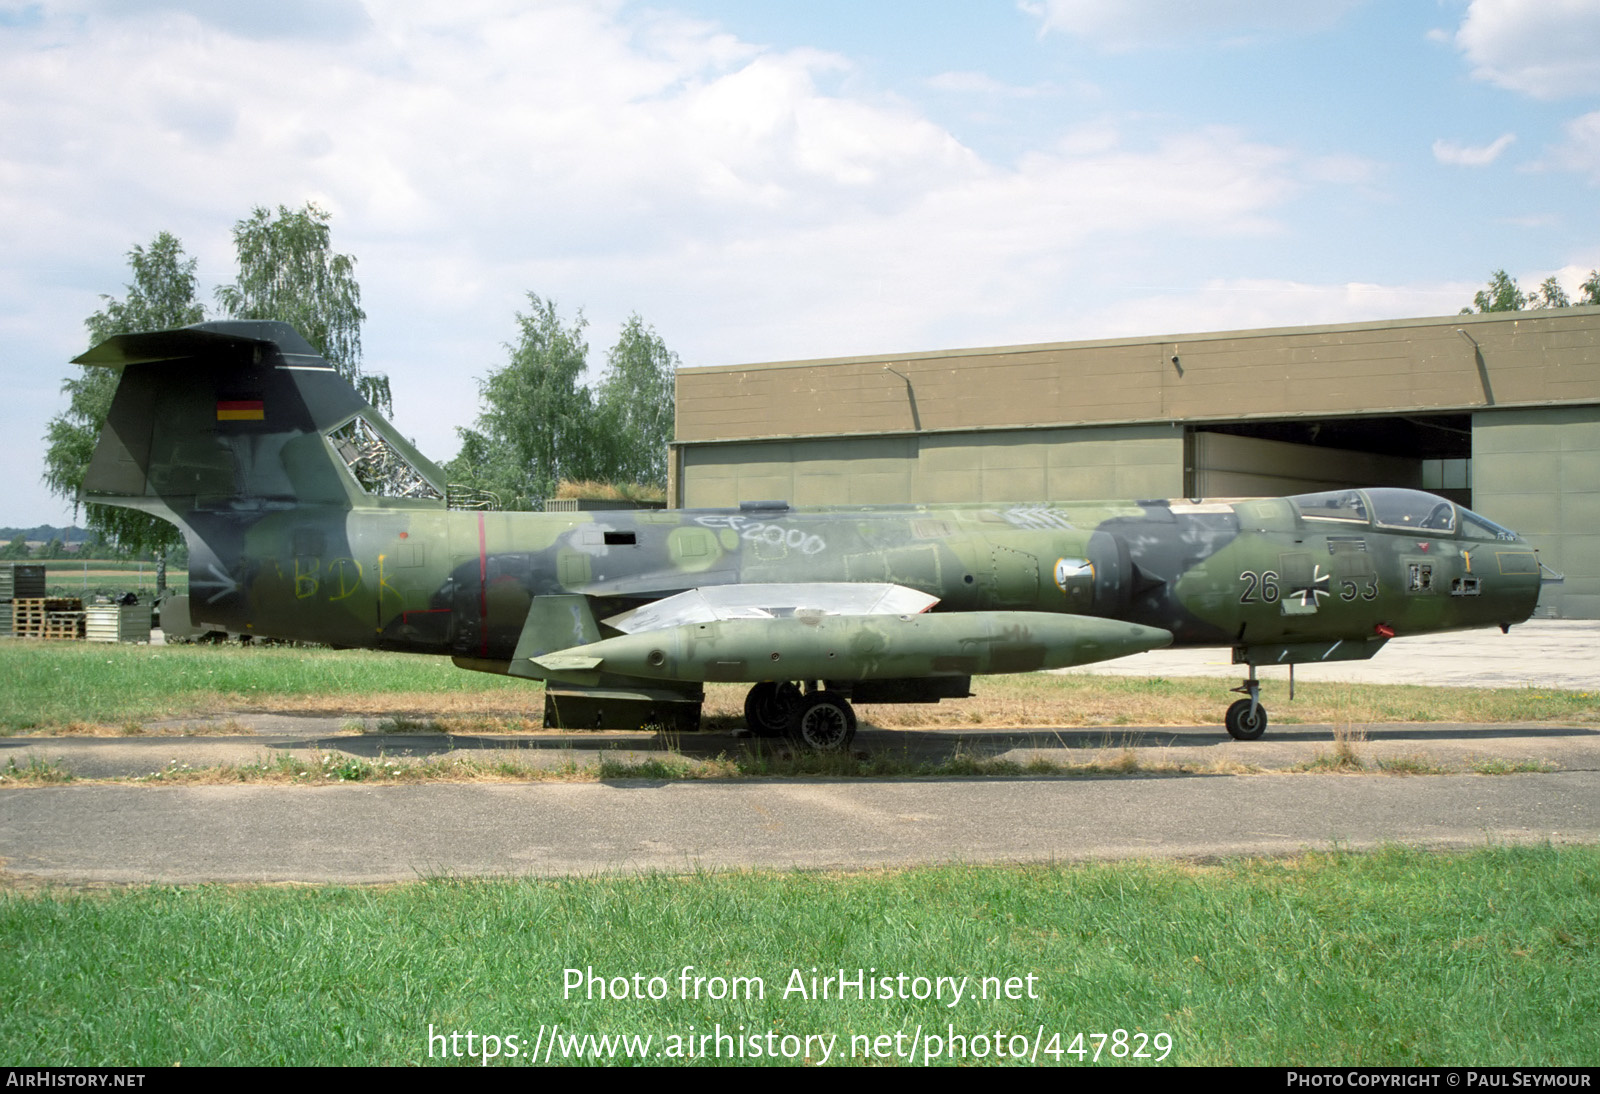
(309, 517)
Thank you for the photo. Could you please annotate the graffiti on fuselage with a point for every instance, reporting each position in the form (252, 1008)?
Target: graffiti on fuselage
(339, 579)
(776, 535)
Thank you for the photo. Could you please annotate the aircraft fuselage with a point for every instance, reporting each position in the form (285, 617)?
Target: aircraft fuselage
(413, 577)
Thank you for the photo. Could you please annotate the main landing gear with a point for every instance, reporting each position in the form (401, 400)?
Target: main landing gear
(818, 719)
(1247, 718)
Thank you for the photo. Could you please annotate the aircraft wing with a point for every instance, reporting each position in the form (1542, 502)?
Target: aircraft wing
(772, 601)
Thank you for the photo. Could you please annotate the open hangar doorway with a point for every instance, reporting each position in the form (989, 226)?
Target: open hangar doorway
(1430, 452)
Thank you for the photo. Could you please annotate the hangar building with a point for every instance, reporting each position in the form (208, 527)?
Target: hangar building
(1499, 412)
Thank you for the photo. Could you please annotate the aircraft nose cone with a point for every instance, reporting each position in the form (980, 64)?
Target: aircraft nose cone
(1512, 586)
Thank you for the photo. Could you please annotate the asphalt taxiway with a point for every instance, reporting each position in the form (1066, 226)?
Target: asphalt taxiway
(1232, 797)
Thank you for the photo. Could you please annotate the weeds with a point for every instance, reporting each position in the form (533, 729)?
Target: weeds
(1336, 764)
(37, 772)
(1411, 765)
(762, 760)
(1513, 767)
(401, 723)
(1346, 758)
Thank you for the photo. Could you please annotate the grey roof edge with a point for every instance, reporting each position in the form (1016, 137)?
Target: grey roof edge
(1124, 423)
(1474, 319)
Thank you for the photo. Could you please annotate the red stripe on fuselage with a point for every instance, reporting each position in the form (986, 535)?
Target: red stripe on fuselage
(483, 588)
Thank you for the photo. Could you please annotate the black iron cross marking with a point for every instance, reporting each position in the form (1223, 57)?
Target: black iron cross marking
(1318, 587)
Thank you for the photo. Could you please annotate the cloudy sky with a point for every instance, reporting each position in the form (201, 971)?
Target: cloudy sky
(767, 180)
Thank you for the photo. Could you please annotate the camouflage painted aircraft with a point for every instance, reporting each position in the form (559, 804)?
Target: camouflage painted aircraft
(309, 517)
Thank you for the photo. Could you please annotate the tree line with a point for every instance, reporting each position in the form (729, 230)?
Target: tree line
(540, 426)
(1504, 294)
(538, 423)
(72, 543)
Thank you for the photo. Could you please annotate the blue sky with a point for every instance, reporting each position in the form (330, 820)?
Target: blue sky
(770, 181)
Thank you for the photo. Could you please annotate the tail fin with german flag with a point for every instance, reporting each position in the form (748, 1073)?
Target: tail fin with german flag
(223, 427)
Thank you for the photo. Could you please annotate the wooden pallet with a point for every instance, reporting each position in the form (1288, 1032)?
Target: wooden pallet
(47, 617)
(67, 625)
(49, 603)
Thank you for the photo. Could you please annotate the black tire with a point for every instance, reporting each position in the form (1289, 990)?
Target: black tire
(823, 722)
(769, 707)
(1241, 726)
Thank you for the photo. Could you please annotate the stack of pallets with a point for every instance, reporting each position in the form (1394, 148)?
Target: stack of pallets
(17, 580)
(47, 617)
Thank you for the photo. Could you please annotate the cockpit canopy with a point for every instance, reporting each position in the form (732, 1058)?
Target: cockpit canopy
(1394, 508)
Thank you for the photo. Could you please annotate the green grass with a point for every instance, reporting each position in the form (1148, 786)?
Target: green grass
(62, 683)
(103, 577)
(1391, 958)
(56, 684)
(117, 565)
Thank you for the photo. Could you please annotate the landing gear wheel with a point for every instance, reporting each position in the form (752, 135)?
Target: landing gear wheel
(769, 708)
(823, 722)
(1241, 725)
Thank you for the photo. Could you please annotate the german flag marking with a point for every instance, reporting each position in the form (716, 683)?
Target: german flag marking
(240, 410)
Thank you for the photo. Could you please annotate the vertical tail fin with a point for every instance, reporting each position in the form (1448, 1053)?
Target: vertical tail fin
(232, 416)
(258, 450)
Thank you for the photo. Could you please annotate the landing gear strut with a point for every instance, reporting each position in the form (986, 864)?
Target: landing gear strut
(1247, 718)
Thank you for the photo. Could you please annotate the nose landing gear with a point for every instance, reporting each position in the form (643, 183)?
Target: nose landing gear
(1246, 719)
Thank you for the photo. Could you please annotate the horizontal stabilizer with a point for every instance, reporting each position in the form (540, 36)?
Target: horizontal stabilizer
(226, 342)
(713, 603)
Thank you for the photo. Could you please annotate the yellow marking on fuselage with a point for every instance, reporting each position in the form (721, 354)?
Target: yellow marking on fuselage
(384, 586)
(347, 586)
(305, 581)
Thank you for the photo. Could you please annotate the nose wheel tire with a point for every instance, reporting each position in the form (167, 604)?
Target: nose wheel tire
(1242, 724)
(769, 708)
(823, 722)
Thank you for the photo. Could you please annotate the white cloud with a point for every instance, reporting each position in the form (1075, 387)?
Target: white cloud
(1127, 24)
(1251, 303)
(981, 83)
(730, 193)
(1344, 170)
(327, 20)
(1466, 155)
(1549, 49)
(1581, 150)
(527, 136)
(1532, 220)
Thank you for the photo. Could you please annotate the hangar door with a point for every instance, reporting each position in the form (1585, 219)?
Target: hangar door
(1270, 459)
